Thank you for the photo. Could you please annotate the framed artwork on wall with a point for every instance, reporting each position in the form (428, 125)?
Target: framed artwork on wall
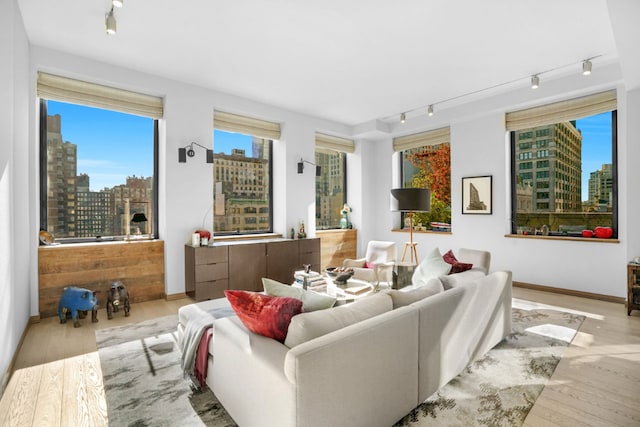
(477, 195)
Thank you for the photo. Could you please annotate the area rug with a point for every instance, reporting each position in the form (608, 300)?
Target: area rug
(144, 385)
(143, 379)
(500, 388)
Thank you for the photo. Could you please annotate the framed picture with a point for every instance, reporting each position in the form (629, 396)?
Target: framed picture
(476, 195)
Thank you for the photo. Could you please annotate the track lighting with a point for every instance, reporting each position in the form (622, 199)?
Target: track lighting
(301, 167)
(403, 118)
(535, 81)
(110, 22)
(430, 110)
(586, 67)
(117, 3)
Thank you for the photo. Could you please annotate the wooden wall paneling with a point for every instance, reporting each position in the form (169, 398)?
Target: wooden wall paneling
(138, 264)
(336, 245)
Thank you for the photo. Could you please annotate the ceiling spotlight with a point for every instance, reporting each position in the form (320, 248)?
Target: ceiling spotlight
(110, 22)
(535, 82)
(117, 3)
(586, 67)
(403, 118)
(430, 110)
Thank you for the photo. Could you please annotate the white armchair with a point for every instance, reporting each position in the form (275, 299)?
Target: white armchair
(377, 264)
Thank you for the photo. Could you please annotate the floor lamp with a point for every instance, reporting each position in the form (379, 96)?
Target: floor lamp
(410, 200)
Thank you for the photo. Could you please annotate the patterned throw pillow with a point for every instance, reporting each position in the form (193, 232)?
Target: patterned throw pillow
(264, 314)
(456, 266)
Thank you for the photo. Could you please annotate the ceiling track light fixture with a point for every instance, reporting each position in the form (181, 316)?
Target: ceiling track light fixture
(403, 117)
(430, 110)
(110, 22)
(188, 150)
(117, 3)
(586, 67)
(535, 81)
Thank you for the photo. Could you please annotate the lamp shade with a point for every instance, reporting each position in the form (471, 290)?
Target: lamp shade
(139, 217)
(410, 199)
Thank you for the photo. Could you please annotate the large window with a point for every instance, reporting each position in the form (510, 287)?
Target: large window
(98, 166)
(331, 186)
(242, 174)
(564, 171)
(242, 184)
(331, 183)
(426, 163)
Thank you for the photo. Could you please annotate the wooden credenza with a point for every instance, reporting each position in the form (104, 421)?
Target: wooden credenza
(139, 264)
(210, 270)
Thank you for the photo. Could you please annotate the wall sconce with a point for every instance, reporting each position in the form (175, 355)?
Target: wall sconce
(188, 150)
(301, 167)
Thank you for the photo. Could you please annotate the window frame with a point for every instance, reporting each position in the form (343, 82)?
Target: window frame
(43, 181)
(614, 177)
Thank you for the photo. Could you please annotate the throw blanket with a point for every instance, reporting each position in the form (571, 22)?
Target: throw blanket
(193, 333)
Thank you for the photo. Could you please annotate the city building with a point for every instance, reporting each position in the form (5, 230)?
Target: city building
(549, 161)
(601, 189)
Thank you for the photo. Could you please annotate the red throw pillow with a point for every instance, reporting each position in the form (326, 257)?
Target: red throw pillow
(264, 314)
(456, 266)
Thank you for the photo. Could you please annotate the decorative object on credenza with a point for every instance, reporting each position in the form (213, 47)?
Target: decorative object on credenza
(205, 236)
(188, 150)
(46, 238)
(410, 200)
(77, 302)
(301, 233)
(117, 296)
(344, 221)
(476, 195)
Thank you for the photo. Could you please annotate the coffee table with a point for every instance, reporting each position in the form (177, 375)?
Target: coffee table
(359, 289)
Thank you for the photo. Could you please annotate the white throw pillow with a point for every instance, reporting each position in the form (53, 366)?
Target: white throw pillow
(453, 280)
(401, 299)
(311, 301)
(432, 266)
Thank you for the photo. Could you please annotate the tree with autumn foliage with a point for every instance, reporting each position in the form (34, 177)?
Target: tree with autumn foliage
(433, 172)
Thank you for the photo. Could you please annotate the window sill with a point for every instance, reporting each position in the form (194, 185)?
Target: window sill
(562, 238)
(403, 230)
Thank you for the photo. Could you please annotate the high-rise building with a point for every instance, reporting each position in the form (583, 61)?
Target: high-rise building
(329, 189)
(61, 181)
(549, 160)
(241, 190)
(601, 188)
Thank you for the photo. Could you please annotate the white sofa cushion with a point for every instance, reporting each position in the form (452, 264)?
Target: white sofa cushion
(431, 266)
(404, 297)
(454, 280)
(311, 301)
(307, 326)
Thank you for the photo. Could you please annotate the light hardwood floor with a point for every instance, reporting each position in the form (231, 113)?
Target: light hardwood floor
(58, 381)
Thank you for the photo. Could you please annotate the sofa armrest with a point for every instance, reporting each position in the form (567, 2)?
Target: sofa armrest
(345, 377)
(479, 259)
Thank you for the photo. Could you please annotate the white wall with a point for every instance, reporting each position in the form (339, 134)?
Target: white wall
(479, 146)
(14, 180)
(186, 189)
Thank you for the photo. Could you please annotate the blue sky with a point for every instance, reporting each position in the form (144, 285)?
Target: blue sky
(112, 145)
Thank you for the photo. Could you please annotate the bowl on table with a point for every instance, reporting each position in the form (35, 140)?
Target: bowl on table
(340, 275)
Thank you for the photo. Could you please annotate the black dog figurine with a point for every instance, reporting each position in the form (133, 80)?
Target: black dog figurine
(117, 296)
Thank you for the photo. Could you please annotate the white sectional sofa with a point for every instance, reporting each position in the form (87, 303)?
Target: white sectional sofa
(367, 372)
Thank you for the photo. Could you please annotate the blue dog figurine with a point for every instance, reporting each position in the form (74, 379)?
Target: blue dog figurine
(75, 299)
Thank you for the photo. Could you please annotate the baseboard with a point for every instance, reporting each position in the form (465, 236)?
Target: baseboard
(570, 292)
(4, 381)
(172, 297)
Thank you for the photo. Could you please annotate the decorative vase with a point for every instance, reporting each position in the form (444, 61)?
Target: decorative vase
(344, 221)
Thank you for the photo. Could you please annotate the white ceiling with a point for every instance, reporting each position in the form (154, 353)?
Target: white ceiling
(348, 61)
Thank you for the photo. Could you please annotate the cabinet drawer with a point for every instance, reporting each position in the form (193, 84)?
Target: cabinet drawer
(207, 272)
(211, 290)
(211, 255)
